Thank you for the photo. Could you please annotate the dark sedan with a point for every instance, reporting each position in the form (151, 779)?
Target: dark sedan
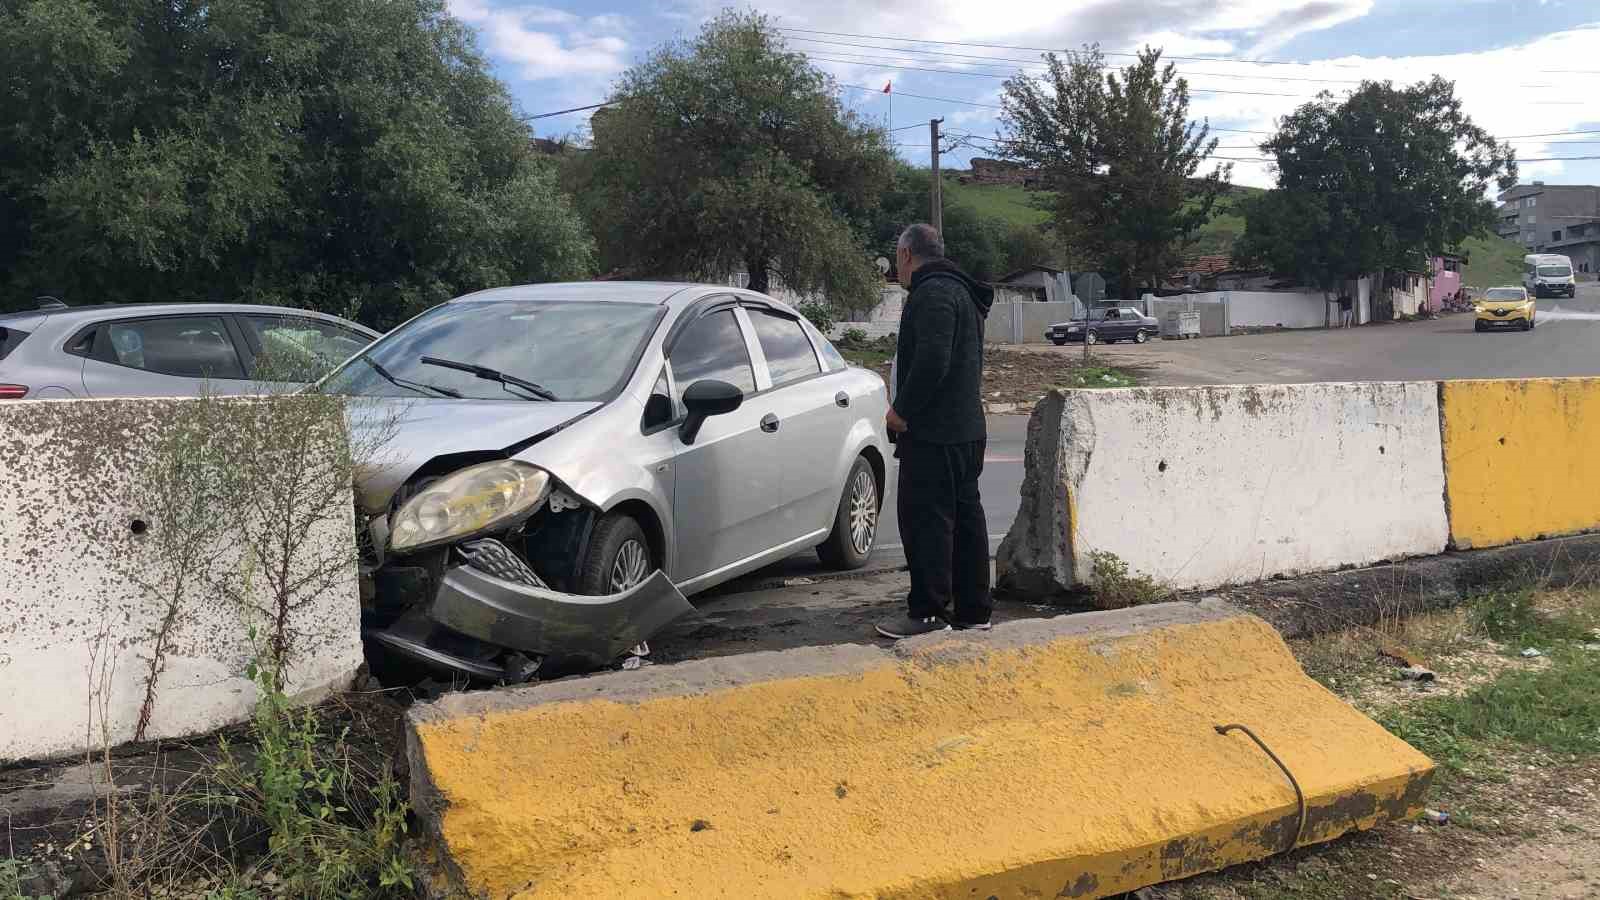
(1108, 325)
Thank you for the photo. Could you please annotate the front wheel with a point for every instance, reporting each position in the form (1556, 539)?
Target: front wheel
(1141, 337)
(619, 557)
(1091, 338)
(855, 522)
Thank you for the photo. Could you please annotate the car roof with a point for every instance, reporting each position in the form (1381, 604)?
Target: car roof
(75, 314)
(665, 293)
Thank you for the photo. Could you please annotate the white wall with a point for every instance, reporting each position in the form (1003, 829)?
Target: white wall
(883, 319)
(1200, 487)
(68, 498)
(1288, 309)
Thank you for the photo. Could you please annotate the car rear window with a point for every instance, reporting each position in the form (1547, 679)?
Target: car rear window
(9, 339)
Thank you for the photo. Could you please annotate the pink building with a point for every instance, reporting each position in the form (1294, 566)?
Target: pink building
(1446, 272)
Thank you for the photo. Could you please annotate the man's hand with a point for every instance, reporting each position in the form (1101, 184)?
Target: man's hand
(894, 423)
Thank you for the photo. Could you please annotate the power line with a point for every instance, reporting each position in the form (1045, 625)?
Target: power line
(1003, 141)
(562, 112)
(1007, 63)
(1122, 53)
(871, 90)
(996, 60)
(1127, 53)
(1193, 90)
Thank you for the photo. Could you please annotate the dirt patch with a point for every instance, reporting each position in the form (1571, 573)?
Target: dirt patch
(1022, 375)
(1522, 821)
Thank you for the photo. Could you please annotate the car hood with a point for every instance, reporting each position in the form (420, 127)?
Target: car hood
(396, 436)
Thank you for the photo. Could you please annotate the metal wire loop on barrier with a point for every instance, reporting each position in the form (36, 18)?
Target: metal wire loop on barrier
(1299, 795)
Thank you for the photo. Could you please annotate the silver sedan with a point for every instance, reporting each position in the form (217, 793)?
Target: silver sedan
(568, 461)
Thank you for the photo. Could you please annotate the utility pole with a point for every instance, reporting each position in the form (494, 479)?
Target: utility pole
(936, 197)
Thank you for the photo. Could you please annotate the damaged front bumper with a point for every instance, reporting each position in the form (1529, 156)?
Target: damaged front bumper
(487, 628)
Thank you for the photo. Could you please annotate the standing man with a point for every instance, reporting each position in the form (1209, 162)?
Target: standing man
(1346, 309)
(936, 421)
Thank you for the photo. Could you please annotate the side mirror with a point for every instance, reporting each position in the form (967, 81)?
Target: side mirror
(704, 399)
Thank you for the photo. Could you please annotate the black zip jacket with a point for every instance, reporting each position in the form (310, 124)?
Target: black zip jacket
(939, 365)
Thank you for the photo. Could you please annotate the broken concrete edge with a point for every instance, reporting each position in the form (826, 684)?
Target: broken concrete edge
(1042, 529)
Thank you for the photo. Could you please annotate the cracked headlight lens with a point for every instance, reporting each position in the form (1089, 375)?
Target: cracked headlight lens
(464, 503)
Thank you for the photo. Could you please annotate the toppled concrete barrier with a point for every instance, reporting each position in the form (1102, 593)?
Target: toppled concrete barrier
(1078, 756)
(1202, 487)
(1519, 458)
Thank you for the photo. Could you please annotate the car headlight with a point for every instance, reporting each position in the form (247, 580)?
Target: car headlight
(474, 499)
(1073, 328)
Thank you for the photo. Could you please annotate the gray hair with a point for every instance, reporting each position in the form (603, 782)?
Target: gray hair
(921, 241)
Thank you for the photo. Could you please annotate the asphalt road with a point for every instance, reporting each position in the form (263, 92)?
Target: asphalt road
(1565, 343)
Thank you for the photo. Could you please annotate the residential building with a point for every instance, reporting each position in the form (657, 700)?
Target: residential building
(1540, 216)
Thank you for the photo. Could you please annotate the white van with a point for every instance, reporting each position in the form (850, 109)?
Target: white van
(1548, 275)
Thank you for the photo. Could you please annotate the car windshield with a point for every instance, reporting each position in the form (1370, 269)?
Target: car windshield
(1503, 294)
(1555, 271)
(576, 351)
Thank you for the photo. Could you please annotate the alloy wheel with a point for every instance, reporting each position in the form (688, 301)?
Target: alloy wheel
(630, 567)
(863, 512)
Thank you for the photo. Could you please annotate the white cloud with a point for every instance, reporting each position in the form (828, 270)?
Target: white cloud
(544, 43)
(1501, 89)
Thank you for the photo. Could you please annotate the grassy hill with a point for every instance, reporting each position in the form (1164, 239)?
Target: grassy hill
(1015, 205)
(1004, 201)
(1494, 260)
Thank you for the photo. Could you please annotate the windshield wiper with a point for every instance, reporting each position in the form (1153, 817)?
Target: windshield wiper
(406, 383)
(488, 374)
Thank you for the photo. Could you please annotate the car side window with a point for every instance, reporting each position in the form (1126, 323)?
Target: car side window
(298, 349)
(186, 346)
(659, 409)
(790, 356)
(712, 347)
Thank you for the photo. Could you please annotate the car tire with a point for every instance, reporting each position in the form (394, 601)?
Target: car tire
(619, 554)
(1091, 338)
(1141, 337)
(855, 521)
(1059, 342)
(1478, 326)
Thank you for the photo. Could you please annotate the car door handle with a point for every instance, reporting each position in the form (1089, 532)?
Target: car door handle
(841, 400)
(769, 423)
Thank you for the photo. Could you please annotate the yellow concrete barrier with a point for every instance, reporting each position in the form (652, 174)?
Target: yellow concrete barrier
(1076, 757)
(1520, 459)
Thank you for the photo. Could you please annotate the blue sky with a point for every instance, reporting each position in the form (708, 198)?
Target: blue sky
(1522, 67)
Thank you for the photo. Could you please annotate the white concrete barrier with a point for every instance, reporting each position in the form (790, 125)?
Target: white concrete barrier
(78, 632)
(1201, 487)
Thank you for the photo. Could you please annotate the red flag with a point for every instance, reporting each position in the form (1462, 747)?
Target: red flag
(886, 86)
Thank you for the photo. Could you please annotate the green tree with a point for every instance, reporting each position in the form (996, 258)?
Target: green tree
(1382, 180)
(1120, 156)
(731, 152)
(1031, 245)
(976, 243)
(353, 156)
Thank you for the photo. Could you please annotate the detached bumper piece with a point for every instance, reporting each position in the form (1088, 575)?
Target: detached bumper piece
(495, 620)
(577, 630)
